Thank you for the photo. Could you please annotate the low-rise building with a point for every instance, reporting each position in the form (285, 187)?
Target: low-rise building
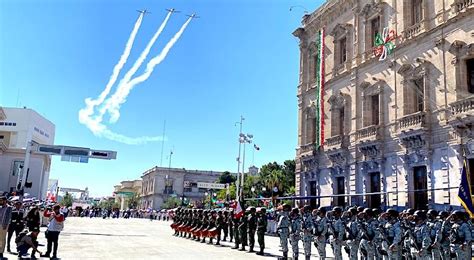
(159, 183)
(18, 126)
(125, 191)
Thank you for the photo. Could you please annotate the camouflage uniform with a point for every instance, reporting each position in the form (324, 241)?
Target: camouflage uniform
(243, 231)
(295, 229)
(307, 228)
(261, 229)
(235, 228)
(337, 239)
(442, 240)
(367, 243)
(421, 241)
(252, 228)
(461, 240)
(320, 231)
(353, 237)
(393, 233)
(283, 231)
(435, 226)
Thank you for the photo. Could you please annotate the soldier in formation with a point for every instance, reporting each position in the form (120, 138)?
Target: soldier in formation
(364, 233)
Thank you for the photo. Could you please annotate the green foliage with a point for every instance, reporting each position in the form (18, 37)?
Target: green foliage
(133, 201)
(106, 204)
(222, 194)
(226, 177)
(67, 200)
(280, 176)
(171, 203)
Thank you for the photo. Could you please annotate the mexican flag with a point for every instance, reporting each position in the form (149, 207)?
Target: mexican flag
(238, 210)
(319, 69)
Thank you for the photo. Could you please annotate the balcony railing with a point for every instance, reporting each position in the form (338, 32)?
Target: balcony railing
(306, 148)
(462, 106)
(461, 5)
(412, 120)
(412, 31)
(367, 132)
(334, 141)
(165, 191)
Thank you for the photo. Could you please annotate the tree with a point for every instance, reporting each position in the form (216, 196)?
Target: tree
(171, 202)
(222, 194)
(68, 200)
(226, 177)
(106, 204)
(133, 201)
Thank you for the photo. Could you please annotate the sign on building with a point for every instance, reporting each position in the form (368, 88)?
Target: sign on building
(214, 186)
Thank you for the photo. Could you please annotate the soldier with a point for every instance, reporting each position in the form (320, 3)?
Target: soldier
(17, 223)
(392, 234)
(225, 224)
(252, 227)
(230, 223)
(235, 228)
(442, 236)
(295, 229)
(368, 226)
(283, 229)
(261, 228)
(460, 236)
(435, 226)
(212, 226)
(243, 225)
(219, 225)
(420, 238)
(307, 228)
(337, 227)
(320, 231)
(353, 234)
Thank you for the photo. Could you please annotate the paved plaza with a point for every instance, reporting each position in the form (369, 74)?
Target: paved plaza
(96, 238)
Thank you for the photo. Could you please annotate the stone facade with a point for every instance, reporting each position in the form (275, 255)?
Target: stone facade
(391, 126)
(160, 183)
(125, 191)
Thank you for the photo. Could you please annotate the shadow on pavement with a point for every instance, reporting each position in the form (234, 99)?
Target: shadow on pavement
(98, 234)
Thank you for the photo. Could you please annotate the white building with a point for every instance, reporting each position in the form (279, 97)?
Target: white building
(17, 127)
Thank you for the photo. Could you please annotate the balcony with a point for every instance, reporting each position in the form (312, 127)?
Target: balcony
(169, 192)
(369, 132)
(412, 31)
(193, 194)
(336, 142)
(412, 121)
(307, 148)
(462, 112)
(462, 5)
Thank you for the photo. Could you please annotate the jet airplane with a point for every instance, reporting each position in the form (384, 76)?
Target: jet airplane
(143, 11)
(193, 16)
(172, 10)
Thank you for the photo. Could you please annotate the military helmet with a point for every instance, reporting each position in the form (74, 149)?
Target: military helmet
(368, 212)
(307, 208)
(252, 209)
(392, 213)
(443, 214)
(360, 209)
(353, 211)
(295, 211)
(322, 210)
(337, 209)
(263, 210)
(419, 214)
(286, 207)
(458, 214)
(410, 211)
(432, 213)
(376, 211)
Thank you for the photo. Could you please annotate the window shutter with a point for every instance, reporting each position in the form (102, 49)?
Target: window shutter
(334, 122)
(367, 110)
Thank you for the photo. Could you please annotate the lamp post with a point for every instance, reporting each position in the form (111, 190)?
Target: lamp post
(205, 194)
(244, 138)
(264, 189)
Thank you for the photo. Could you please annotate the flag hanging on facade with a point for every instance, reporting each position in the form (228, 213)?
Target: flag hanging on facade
(465, 193)
(319, 72)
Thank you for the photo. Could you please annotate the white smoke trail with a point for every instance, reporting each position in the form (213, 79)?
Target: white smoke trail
(91, 103)
(136, 65)
(119, 97)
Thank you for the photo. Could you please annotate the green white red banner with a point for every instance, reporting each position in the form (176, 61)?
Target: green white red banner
(319, 69)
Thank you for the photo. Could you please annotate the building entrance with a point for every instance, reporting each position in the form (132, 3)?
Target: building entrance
(420, 184)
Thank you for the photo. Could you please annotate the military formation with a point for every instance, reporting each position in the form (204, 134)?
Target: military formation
(199, 224)
(363, 233)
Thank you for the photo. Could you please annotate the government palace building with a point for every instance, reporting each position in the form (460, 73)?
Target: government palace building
(385, 103)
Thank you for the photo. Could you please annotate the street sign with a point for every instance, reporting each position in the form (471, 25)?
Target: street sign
(108, 155)
(214, 186)
(74, 154)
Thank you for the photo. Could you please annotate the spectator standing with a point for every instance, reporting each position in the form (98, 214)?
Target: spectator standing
(5, 215)
(33, 219)
(55, 226)
(17, 223)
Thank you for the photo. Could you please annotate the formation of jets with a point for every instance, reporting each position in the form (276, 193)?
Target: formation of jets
(171, 10)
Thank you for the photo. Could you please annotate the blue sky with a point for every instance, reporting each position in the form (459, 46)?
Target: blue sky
(239, 58)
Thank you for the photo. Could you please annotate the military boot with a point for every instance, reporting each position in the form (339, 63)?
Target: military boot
(285, 255)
